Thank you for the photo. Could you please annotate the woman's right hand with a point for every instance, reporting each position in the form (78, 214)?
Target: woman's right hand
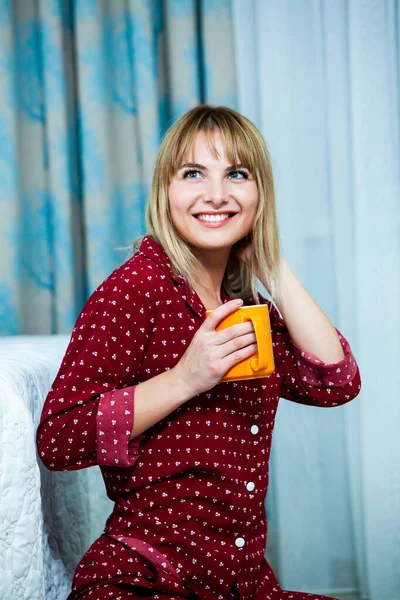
(212, 353)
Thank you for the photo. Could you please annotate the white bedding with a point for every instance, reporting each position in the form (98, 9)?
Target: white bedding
(47, 519)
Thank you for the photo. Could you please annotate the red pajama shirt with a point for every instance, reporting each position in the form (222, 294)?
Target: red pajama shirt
(189, 517)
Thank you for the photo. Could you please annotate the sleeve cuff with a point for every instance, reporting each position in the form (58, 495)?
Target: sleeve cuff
(114, 427)
(315, 372)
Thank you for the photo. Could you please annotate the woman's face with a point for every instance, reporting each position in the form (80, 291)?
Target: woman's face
(212, 204)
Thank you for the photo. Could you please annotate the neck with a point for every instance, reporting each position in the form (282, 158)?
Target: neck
(211, 271)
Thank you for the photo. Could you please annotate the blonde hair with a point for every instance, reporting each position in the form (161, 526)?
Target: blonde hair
(245, 143)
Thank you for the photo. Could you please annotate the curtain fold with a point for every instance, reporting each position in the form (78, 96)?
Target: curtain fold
(88, 88)
(321, 80)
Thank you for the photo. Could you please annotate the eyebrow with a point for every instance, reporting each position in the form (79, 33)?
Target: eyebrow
(203, 168)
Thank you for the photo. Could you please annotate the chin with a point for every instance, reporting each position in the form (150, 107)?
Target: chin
(211, 244)
(216, 241)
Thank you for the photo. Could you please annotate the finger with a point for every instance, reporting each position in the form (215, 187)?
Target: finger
(234, 358)
(224, 335)
(220, 313)
(238, 343)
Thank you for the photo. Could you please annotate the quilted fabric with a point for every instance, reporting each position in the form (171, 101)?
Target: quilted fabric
(47, 519)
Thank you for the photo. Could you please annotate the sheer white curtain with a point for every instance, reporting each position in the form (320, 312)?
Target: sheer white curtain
(321, 81)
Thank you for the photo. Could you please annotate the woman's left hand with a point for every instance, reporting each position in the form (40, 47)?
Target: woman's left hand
(243, 250)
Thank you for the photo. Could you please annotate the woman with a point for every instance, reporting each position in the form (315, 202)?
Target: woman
(185, 457)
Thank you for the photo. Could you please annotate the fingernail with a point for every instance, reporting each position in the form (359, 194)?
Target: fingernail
(239, 301)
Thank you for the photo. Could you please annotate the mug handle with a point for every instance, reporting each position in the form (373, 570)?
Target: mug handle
(259, 364)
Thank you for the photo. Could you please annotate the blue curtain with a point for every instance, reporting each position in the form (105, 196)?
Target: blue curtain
(321, 80)
(87, 89)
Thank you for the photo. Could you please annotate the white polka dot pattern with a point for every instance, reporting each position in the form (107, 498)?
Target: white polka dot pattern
(193, 486)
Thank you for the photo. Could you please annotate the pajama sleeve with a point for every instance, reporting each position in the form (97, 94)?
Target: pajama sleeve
(306, 379)
(88, 414)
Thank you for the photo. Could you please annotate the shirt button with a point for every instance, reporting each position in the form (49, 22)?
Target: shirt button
(239, 542)
(254, 429)
(250, 486)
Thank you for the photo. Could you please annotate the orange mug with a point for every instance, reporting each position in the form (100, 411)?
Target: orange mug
(260, 364)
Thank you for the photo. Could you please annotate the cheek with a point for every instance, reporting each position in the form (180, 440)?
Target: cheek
(256, 200)
(177, 210)
(251, 211)
(252, 203)
(174, 212)
(173, 202)
(177, 197)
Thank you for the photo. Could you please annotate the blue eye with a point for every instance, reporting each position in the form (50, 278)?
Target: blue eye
(234, 174)
(238, 175)
(191, 174)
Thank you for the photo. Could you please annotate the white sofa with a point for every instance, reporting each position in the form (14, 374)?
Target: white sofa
(47, 519)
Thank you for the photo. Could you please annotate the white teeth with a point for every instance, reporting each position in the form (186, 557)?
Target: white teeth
(213, 218)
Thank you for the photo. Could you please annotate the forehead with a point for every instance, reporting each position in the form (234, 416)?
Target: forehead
(210, 145)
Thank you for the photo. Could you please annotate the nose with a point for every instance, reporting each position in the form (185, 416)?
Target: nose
(215, 193)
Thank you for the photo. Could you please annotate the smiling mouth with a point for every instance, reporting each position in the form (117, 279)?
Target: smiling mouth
(214, 218)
